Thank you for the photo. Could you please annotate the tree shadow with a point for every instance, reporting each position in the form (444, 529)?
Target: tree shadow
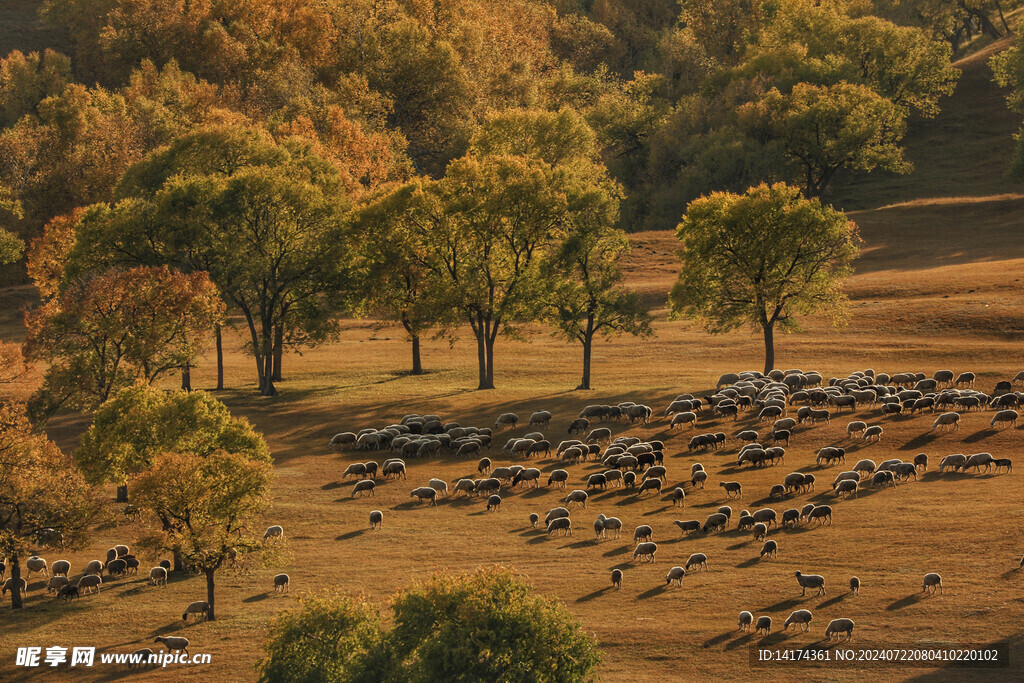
(911, 599)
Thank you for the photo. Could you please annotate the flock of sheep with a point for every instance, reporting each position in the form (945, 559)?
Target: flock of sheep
(786, 402)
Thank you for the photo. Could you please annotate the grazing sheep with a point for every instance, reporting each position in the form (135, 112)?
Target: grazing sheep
(821, 513)
(338, 441)
(846, 488)
(464, 485)
(376, 519)
(865, 466)
(494, 503)
(953, 462)
(394, 468)
(541, 418)
(687, 418)
(763, 624)
(690, 526)
(873, 433)
(36, 564)
(830, 454)
(733, 489)
(760, 531)
(977, 461)
(883, 478)
(698, 479)
(1005, 418)
(200, 608)
(769, 549)
(790, 516)
(801, 617)
(579, 425)
(653, 485)
(806, 510)
(158, 576)
(281, 583)
(425, 493)
(356, 469)
(88, 582)
(439, 485)
(578, 497)
(9, 586)
(947, 421)
(931, 582)
(617, 578)
(116, 568)
(56, 583)
(555, 513)
(837, 627)
(715, 522)
(766, 515)
(69, 592)
(643, 533)
(855, 585)
(746, 619)
(365, 486)
(534, 519)
(1003, 463)
(94, 567)
(173, 643)
(599, 435)
(811, 581)
(61, 568)
(904, 470)
(678, 497)
(563, 524)
(645, 551)
(275, 531)
(597, 480)
(675, 574)
(855, 429)
(506, 420)
(486, 485)
(777, 491)
(469, 448)
(558, 477)
(748, 436)
(843, 476)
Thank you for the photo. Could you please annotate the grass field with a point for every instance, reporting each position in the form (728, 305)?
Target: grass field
(938, 286)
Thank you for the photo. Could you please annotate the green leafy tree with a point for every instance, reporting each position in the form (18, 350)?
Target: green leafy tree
(329, 638)
(762, 259)
(44, 499)
(207, 507)
(140, 422)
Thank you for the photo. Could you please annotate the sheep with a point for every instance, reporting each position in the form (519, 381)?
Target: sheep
(733, 489)
(748, 436)
(763, 624)
(643, 533)
(1005, 418)
(578, 497)
(94, 567)
(9, 586)
(629, 479)
(769, 549)
(865, 466)
(746, 619)
(947, 421)
(725, 510)
(494, 503)
(56, 583)
(376, 519)
(469, 448)
(731, 378)
(678, 497)
(855, 585)
(873, 433)
(905, 470)
(534, 520)
(811, 581)
(846, 488)
(777, 491)
(394, 468)
(610, 524)
(597, 480)
(506, 420)
(675, 574)
(785, 424)
(365, 486)
(653, 485)
(656, 472)
(716, 521)
(760, 531)
(563, 524)
(690, 526)
(687, 418)
(770, 413)
(837, 627)
(158, 576)
(977, 461)
(281, 583)
(60, 568)
(439, 485)
(1001, 463)
(617, 578)
(36, 564)
(698, 479)
(340, 440)
(275, 531)
(599, 435)
(173, 643)
(801, 617)
(931, 582)
(558, 477)
(530, 474)
(355, 469)
(579, 425)
(68, 591)
(425, 493)
(541, 418)
(953, 462)
(855, 429)
(555, 513)
(830, 454)
(883, 478)
(821, 513)
(486, 485)
(645, 551)
(464, 485)
(116, 568)
(805, 511)
(844, 476)
(89, 581)
(790, 516)
(200, 608)
(503, 474)
(766, 515)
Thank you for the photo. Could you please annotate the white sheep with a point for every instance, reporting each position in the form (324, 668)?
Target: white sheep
(800, 617)
(376, 519)
(563, 524)
(763, 624)
(697, 560)
(158, 576)
(837, 627)
(675, 574)
(200, 608)
(931, 582)
(36, 564)
(811, 581)
(947, 421)
(645, 551)
(90, 581)
(746, 619)
(173, 643)
(425, 493)
(275, 531)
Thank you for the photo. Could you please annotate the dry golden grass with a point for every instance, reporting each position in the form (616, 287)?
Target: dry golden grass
(938, 286)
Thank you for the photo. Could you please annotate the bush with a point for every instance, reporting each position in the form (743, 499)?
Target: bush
(484, 626)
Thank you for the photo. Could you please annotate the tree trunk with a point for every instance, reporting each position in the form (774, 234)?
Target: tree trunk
(417, 365)
(481, 358)
(211, 615)
(186, 377)
(176, 562)
(278, 352)
(17, 599)
(769, 347)
(220, 358)
(489, 384)
(588, 345)
(122, 494)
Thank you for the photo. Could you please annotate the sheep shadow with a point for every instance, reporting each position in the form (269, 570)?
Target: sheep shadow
(717, 640)
(580, 544)
(259, 597)
(330, 486)
(980, 435)
(650, 513)
(748, 563)
(788, 603)
(911, 599)
(410, 505)
(351, 534)
(621, 550)
(534, 492)
(593, 596)
(919, 442)
(834, 601)
(737, 642)
(657, 590)
(738, 546)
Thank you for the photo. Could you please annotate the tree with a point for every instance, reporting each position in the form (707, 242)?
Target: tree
(207, 506)
(393, 260)
(484, 626)
(105, 332)
(329, 638)
(587, 298)
(140, 422)
(762, 259)
(44, 500)
(821, 130)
